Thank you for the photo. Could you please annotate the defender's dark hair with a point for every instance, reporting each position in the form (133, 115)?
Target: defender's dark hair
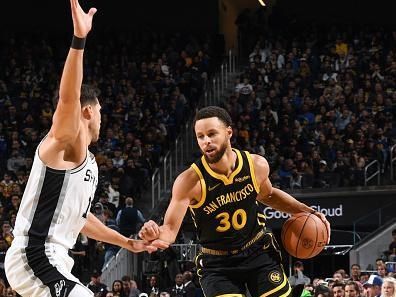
(89, 95)
(213, 112)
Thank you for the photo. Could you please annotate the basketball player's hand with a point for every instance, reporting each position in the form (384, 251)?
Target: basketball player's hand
(324, 220)
(138, 246)
(82, 22)
(150, 231)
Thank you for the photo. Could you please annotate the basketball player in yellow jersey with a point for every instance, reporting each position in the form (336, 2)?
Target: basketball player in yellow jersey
(61, 186)
(222, 189)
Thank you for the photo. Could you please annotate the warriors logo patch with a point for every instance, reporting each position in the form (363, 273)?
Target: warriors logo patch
(275, 277)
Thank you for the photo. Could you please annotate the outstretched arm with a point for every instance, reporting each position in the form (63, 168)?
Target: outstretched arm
(66, 119)
(95, 229)
(186, 185)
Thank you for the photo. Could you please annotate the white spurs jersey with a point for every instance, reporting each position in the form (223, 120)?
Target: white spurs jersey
(55, 203)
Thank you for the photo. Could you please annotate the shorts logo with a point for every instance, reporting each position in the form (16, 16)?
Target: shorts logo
(58, 287)
(275, 277)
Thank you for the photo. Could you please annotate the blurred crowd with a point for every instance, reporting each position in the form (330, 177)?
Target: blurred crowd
(319, 105)
(356, 283)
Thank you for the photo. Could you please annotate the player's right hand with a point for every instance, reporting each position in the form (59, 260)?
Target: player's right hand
(82, 22)
(150, 231)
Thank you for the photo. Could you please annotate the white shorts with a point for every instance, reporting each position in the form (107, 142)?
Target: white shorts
(42, 273)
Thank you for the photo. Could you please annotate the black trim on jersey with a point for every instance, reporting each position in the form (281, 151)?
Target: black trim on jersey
(41, 223)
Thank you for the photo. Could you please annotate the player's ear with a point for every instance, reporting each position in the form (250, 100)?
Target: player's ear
(87, 112)
(229, 131)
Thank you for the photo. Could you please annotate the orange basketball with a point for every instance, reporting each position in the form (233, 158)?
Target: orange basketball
(304, 235)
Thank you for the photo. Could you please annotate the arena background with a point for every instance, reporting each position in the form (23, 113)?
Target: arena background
(218, 18)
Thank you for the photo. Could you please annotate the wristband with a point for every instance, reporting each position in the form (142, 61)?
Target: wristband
(78, 43)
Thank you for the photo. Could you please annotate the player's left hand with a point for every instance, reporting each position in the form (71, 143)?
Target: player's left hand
(326, 222)
(82, 22)
(150, 231)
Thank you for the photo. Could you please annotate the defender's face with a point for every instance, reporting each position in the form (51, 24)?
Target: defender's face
(95, 122)
(213, 138)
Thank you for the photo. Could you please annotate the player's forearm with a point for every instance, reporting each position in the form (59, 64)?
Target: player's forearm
(168, 234)
(72, 76)
(284, 202)
(95, 229)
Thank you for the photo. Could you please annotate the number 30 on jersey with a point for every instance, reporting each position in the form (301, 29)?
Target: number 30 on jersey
(238, 220)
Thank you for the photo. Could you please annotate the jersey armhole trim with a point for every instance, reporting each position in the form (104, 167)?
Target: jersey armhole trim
(252, 172)
(203, 187)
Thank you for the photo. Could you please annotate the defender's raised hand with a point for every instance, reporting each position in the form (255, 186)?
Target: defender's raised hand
(82, 22)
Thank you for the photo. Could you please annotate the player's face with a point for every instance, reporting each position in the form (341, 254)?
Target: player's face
(213, 138)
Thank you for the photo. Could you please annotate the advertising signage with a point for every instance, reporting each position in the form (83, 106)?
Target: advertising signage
(342, 209)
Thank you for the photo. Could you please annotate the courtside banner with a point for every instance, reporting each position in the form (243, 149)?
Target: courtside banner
(365, 208)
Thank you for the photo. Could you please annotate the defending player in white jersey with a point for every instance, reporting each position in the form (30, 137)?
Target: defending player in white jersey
(62, 183)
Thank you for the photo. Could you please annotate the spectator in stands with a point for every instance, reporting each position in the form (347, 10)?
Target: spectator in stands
(129, 218)
(16, 161)
(338, 289)
(352, 289)
(382, 271)
(96, 286)
(388, 288)
(298, 276)
(153, 286)
(110, 294)
(340, 275)
(364, 277)
(99, 212)
(104, 200)
(134, 289)
(129, 287)
(118, 289)
(323, 291)
(373, 286)
(177, 290)
(6, 232)
(188, 283)
(355, 272)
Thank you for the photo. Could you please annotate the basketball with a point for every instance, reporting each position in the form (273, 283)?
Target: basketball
(304, 235)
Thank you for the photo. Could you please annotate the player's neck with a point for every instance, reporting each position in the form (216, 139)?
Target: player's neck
(227, 163)
(86, 135)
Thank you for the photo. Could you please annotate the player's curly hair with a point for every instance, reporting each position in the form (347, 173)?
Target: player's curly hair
(213, 112)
